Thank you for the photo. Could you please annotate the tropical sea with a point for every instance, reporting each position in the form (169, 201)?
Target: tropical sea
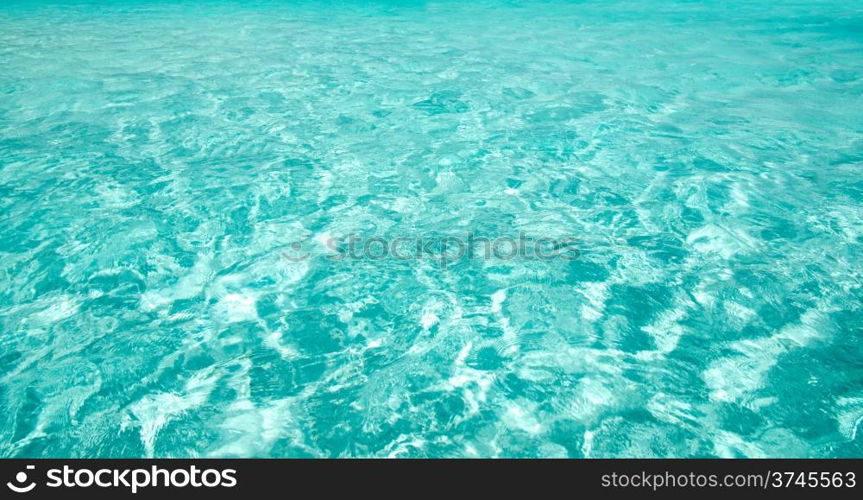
(313, 228)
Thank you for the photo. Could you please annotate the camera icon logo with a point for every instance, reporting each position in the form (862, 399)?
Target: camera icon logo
(20, 478)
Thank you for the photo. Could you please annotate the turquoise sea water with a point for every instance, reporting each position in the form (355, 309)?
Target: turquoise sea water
(162, 164)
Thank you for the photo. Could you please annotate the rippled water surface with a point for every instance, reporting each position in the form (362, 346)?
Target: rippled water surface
(162, 163)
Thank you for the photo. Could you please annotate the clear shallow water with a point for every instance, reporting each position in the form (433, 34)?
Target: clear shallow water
(157, 160)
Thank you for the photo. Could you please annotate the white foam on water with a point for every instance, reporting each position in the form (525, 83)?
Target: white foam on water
(61, 308)
(521, 415)
(346, 310)
(326, 242)
(444, 179)
(741, 312)
(734, 377)
(155, 410)
(236, 307)
(510, 336)
(666, 330)
(850, 416)
(702, 295)
(190, 285)
(404, 445)
(739, 197)
(596, 295)
(274, 234)
(591, 397)
(431, 312)
(251, 430)
(723, 241)
(587, 445)
(116, 197)
(474, 384)
(667, 408)
(275, 340)
(327, 181)
(428, 320)
(497, 299)
(730, 445)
